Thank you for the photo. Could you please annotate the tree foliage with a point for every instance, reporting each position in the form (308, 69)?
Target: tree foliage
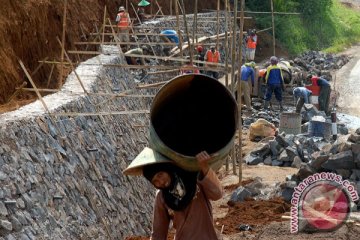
(310, 30)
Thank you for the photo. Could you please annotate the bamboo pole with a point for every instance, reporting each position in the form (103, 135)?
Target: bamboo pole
(187, 34)
(90, 94)
(72, 66)
(76, 114)
(17, 91)
(178, 26)
(217, 24)
(159, 7)
(273, 25)
(50, 75)
(151, 85)
(104, 22)
(38, 67)
(226, 62)
(63, 42)
(194, 36)
(233, 58)
(171, 7)
(239, 89)
(254, 12)
(34, 86)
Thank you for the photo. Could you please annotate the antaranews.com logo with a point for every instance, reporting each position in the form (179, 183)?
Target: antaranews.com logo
(321, 202)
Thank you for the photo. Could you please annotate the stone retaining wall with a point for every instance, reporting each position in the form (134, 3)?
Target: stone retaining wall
(61, 177)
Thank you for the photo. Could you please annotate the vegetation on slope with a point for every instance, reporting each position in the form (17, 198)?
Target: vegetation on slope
(322, 25)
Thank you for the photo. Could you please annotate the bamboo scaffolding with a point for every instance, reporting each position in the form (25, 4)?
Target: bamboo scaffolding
(72, 66)
(254, 12)
(90, 94)
(89, 114)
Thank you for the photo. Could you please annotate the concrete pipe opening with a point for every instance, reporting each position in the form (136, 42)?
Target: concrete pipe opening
(190, 114)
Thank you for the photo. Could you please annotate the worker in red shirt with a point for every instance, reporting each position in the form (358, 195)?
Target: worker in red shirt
(212, 56)
(123, 22)
(325, 90)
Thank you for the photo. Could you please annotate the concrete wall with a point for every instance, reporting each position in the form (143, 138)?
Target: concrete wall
(61, 177)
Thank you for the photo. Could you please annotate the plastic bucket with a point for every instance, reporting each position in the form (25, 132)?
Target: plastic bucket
(190, 114)
(290, 123)
(319, 129)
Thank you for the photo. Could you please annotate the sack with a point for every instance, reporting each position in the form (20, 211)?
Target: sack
(261, 128)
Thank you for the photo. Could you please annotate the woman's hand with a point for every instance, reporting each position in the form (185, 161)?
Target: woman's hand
(203, 159)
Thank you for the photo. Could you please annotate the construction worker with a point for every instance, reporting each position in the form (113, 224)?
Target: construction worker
(251, 41)
(200, 56)
(325, 90)
(123, 22)
(141, 10)
(274, 82)
(184, 198)
(189, 68)
(169, 36)
(302, 95)
(212, 56)
(247, 72)
(131, 60)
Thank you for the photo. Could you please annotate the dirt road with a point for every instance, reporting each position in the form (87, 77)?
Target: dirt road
(347, 83)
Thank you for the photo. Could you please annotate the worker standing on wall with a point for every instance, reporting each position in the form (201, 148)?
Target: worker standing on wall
(141, 10)
(212, 56)
(251, 41)
(123, 22)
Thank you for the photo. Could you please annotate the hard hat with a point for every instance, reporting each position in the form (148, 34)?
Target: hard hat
(212, 46)
(199, 48)
(121, 9)
(274, 60)
(143, 3)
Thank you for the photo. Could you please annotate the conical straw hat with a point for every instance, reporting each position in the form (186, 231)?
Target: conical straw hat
(146, 157)
(143, 3)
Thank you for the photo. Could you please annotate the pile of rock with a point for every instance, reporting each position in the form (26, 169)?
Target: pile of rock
(341, 157)
(317, 63)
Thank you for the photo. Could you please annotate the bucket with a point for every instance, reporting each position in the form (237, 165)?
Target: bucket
(290, 123)
(319, 129)
(190, 114)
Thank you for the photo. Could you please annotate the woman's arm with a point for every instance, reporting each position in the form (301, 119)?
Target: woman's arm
(161, 219)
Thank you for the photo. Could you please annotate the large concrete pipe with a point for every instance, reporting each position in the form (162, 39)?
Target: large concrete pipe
(190, 114)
